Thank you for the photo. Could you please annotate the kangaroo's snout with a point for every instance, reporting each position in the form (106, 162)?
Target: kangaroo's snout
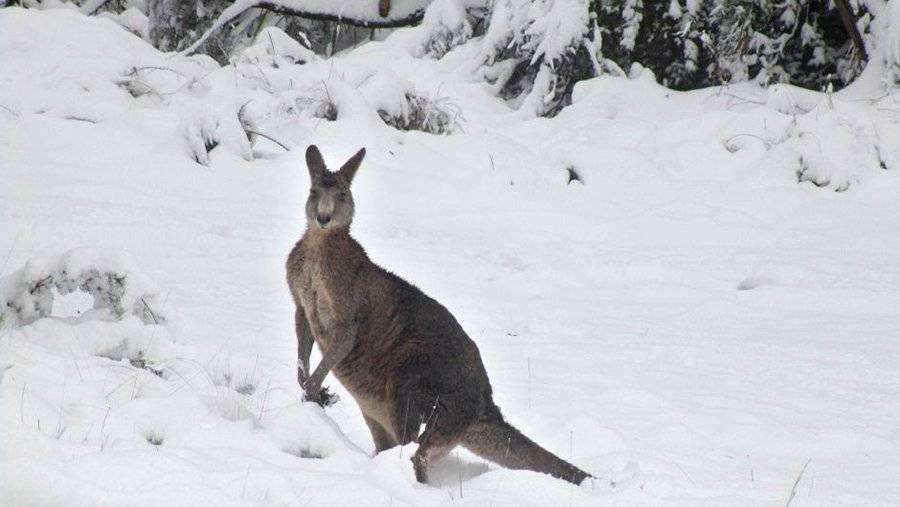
(323, 220)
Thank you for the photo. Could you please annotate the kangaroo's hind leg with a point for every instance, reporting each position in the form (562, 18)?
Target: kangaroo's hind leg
(444, 430)
(383, 439)
(407, 420)
(432, 447)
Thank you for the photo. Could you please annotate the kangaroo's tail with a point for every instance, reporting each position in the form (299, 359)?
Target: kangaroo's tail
(496, 440)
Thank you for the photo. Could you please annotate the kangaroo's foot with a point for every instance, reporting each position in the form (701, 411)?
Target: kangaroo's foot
(432, 447)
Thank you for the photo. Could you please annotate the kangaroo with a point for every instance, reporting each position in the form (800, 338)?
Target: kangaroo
(401, 355)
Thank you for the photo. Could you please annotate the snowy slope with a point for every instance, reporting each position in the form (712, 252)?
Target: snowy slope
(691, 324)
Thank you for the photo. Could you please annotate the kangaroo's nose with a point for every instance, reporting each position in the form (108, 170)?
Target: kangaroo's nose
(323, 219)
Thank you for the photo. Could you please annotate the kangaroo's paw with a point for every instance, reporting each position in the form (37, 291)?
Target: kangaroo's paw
(420, 465)
(324, 397)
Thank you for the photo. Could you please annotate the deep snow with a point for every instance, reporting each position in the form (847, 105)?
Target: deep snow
(691, 324)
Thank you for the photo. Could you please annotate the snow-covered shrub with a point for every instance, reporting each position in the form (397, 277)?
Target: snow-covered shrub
(231, 406)
(438, 115)
(139, 352)
(27, 294)
(305, 452)
(317, 103)
(49, 4)
(154, 437)
(239, 374)
(257, 66)
(208, 124)
(130, 19)
(447, 24)
(837, 144)
(535, 52)
(887, 44)
(274, 48)
(208, 115)
(165, 81)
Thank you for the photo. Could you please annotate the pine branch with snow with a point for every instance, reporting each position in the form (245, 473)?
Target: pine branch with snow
(534, 52)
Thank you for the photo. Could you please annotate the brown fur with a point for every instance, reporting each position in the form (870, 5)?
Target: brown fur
(402, 356)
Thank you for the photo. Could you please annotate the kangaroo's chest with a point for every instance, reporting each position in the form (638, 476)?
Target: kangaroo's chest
(321, 300)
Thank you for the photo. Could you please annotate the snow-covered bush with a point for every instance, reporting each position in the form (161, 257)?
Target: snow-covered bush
(535, 52)
(209, 124)
(116, 286)
(130, 19)
(438, 115)
(316, 102)
(447, 24)
(208, 113)
(274, 48)
(887, 44)
(837, 144)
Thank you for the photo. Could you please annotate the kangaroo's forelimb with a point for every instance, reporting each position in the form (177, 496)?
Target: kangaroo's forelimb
(304, 344)
(342, 342)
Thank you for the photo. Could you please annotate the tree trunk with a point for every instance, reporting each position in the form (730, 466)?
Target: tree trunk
(850, 27)
(384, 8)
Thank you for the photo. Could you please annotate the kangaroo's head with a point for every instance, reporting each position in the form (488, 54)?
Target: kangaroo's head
(330, 203)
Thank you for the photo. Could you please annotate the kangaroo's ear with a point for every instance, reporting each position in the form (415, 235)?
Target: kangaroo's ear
(348, 170)
(314, 162)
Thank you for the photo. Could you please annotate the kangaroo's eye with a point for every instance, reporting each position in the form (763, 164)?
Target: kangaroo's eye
(313, 193)
(342, 196)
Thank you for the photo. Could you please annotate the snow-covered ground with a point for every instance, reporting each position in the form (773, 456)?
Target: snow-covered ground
(689, 322)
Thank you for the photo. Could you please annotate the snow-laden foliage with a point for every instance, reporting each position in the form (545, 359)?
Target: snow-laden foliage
(206, 123)
(112, 280)
(837, 147)
(690, 44)
(535, 51)
(208, 115)
(300, 85)
(447, 24)
(887, 44)
(131, 19)
(275, 48)
(173, 24)
(359, 13)
(435, 115)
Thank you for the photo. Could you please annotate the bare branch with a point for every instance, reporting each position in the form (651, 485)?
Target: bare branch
(260, 134)
(231, 13)
(797, 482)
(92, 6)
(850, 27)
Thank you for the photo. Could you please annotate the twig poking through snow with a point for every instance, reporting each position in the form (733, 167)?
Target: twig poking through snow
(529, 382)
(260, 134)
(796, 483)
(11, 111)
(459, 475)
(22, 404)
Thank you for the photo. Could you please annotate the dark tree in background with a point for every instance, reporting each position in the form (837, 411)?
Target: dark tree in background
(694, 43)
(688, 44)
(175, 24)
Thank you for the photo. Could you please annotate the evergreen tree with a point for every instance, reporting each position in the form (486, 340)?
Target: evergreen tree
(695, 43)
